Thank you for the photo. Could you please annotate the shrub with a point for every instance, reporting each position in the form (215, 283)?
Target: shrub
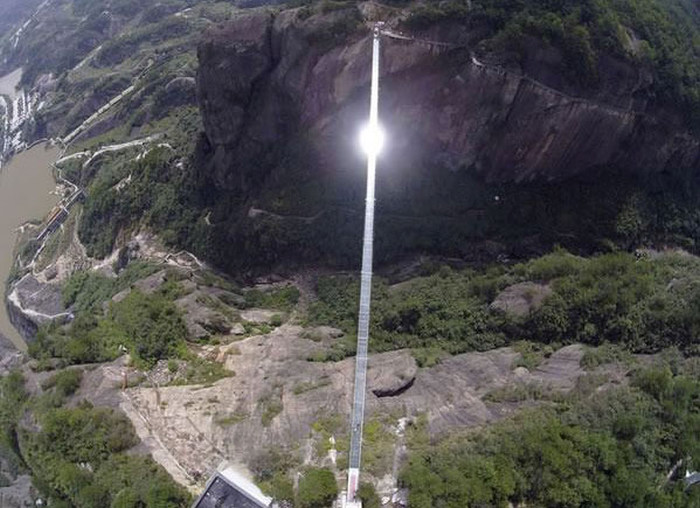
(656, 382)
(281, 488)
(152, 324)
(96, 437)
(518, 393)
(428, 357)
(66, 382)
(551, 456)
(607, 353)
(317, 488)
(531, 355)
(281, 299)
(270, 462)
(641, 305)
(368, 495)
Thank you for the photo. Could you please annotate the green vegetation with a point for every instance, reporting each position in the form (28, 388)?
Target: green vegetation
(317, 488)
(271, 468)
(662, 35)
(76, 456)
(307, 386)
(284, 298)
(199, 370)
(149, 325)
(159, 196)
(171, 194)
(270, 405)
(518, 393)
(269, 462)
(641, 305)
(65, 382)
(611, 449)
(230, 419)
(13, 396)
(152, 324)
(377, 447)
(327, 427)
(428, 356)
(531, 354)
(607, 353)
(57, 244)
(87, 290)
(368, 495)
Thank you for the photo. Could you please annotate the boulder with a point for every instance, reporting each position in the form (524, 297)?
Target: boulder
(521, 299)
(391, 374)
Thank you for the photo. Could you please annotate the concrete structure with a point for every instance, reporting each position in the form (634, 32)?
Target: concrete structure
(691, 479)
(228, 489)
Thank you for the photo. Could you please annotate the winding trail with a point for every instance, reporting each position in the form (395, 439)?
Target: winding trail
(83, 126)
(502, 71)
(117, 148)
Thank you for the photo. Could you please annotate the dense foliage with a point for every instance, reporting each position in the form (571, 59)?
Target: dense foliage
(613, 449)
(436, 210)
(149, 326)
(77, 455)
(317, 488)
(87, 290)
(159, 195)
(664, 35)
(642, 304)
(13, 395)
(65, 382)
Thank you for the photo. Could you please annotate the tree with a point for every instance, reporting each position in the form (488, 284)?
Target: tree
(369, 496)
(317, 488)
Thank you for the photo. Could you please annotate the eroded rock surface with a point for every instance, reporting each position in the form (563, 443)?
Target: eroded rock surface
(264, 76)
(197, 427)
(521, 299)
(391, 374)
(32, 303)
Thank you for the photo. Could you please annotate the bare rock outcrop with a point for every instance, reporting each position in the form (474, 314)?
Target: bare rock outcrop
(481, 147)
(263, 77)
(32, 303)
(277, 395)
(391, 374)
(521, 299)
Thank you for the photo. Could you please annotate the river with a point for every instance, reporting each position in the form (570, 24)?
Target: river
(26, 186)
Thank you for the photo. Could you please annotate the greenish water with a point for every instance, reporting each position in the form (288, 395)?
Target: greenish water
(26, 186)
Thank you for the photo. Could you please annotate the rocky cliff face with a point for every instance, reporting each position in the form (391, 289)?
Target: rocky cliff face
(32, 303)
(263, 77)
(465, 128)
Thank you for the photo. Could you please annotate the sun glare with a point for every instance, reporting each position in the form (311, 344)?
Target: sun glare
(372, 139)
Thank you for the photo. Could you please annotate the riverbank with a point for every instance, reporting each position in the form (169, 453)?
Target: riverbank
(27, 192)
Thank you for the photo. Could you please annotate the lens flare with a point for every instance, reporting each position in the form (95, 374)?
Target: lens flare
(372, 140)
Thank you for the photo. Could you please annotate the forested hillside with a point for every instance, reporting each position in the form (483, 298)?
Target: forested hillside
(538, 196)
(13, 13)
(663, 36)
